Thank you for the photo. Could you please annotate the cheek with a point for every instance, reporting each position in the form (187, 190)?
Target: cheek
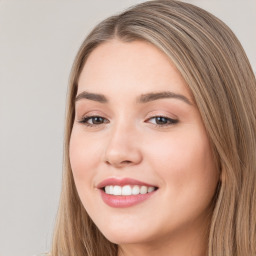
(185, 163)
(84, 156)
(84, 159)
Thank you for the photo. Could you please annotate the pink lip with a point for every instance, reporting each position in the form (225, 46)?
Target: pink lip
(123, 201)
(122, 182)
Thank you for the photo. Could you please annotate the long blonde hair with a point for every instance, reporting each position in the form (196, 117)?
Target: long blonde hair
(218, 73)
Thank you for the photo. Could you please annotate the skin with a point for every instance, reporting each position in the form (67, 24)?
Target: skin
(174, 156)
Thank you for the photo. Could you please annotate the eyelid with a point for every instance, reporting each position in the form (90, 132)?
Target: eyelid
(171, 119)
(162, 114)
(84, 121)
(90, 113)
(83, 117)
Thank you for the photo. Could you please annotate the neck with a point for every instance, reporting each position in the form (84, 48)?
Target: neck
(185, 242)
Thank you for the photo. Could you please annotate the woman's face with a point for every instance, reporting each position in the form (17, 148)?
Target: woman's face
(139, 152)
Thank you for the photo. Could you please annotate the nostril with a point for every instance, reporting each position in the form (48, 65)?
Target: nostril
(119, 163)
(126, 162)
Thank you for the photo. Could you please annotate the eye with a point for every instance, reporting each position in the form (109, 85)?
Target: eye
(162, 121)
(93, 120)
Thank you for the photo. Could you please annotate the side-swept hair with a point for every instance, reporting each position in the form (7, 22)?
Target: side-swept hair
(217, 71)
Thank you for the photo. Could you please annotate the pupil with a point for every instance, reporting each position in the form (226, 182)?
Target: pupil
(97, 120)
(161, 120)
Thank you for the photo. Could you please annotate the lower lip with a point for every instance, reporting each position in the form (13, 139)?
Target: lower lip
(124, 201)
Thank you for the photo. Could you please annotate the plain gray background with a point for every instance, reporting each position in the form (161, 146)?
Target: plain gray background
(38, 42)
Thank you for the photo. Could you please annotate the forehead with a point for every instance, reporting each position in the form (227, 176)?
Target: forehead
(136, 66)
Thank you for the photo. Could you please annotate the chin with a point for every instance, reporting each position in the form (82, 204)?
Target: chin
(127, 239)
(126, 236)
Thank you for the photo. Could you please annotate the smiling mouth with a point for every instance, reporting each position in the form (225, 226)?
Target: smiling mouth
(128, 190)
(125, 192)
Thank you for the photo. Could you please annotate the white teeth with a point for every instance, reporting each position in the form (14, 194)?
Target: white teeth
(107, 189)
(111, 190)
(128, 190)
(143, 190)
(117, 191)
(136, 190)
(151, 189)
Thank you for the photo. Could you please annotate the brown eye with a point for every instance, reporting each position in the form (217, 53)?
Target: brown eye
(163, 121)
(93, 120)
(97, 120)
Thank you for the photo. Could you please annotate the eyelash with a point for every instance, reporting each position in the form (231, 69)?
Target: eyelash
(169, 121)
(85, 120)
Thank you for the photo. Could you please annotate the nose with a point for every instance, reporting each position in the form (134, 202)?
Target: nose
(123, 147)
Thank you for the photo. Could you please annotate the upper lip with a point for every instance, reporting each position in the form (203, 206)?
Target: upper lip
(122, 182)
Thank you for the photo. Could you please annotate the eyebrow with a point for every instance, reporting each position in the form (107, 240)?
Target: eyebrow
(91, 96)
(144, 98)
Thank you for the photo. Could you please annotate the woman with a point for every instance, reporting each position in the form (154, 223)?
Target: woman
(160, 139)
